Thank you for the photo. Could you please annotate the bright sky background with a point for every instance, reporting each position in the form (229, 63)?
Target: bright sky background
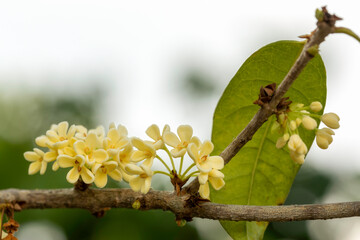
(142, 47)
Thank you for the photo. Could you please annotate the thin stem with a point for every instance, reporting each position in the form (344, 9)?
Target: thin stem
(165, 173)
(170, 156)
(181, 165)
(188, 169)
(191, 174)
(163, 162)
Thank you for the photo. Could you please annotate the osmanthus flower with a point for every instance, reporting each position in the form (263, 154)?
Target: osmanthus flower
(116, 140)
(38, 163)
(91, 149)
(61, 135)
(216, 179)
(200, 155)
(154, 133)
(123, 158)
(145, 152)
(78, 168)
(102, 170)
(331, 120)
(141, 179)
(185, 133)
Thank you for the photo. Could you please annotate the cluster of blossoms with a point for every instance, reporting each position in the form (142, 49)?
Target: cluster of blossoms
(299, 115)
(94, 155)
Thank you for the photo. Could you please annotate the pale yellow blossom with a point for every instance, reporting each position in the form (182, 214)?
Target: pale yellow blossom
(154, 133)
(185, 133)
(316, 106)
(91, 149)
(38, 163)
(203, 161)
(216, 179)
(61, 135)
(116, 140)
(78, 168)
(123, 158)
(309, 123)
(102, 170)
(141, 182)
(145, 152)
(324, 137)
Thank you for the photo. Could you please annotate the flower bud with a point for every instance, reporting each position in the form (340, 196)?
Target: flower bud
(316, 106)
(282, 141)
(293, 125)
(298, 158)
(298, 121)
(331, 120)
(309, 123)
(322, 142)
(136, 205)
(296, 144)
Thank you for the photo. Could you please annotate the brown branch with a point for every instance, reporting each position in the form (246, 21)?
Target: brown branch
(324, 28)
(96, 200)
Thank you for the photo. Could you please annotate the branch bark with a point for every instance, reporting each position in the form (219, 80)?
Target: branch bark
(97, 200)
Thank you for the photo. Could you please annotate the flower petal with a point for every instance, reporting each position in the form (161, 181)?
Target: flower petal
(34, 167)
(178, 153)
(134, 169)
(31, 156)
(146, 186)
(87, 176)
(41, 141)
(92, 141)
(153, 132)
(116, 175)
(137, 156)
(136, 183)
(100, 155)
(185, 133)
(193, 151)
(206, 148)
(65, 161)
(50, 156)
(114, 135)
(216, 162)
(216, 183)
(79, 147)
(62, 128)
(203, 178)
(204, 191)
(73, 175)
(171, 139)
(122, 130)
(43, 167)
(100, 179)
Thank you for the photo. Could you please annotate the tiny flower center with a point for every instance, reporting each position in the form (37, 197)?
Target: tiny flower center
(103, 169)
(62, 139)
(203, 159)
(143, 175)
(79, 169)
(87, 151)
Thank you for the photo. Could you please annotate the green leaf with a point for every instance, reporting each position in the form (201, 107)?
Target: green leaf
(261, 174)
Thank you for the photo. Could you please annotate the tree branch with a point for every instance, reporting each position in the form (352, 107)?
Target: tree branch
(324, 28)
(97, 200)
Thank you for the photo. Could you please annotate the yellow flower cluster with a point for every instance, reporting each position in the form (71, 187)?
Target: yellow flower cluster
(298, 115)
(93, 155)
